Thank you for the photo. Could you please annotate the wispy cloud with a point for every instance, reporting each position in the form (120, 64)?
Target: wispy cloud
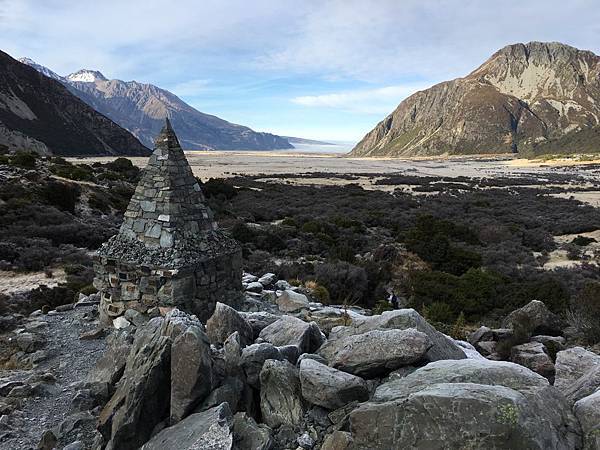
(190, 88)
(368, 101)
(258, 55)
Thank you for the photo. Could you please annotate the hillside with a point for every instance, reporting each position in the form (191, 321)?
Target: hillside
(525, 98)
(38, 113)
(141, 108)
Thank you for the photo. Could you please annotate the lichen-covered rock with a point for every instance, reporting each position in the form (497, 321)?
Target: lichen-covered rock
(225, 321)
(208, 430)
(289, 330)
(290, 301)
(280, 394)
(534, 356)
(329, 387)
(442, 347)
(572, 364)
(376, 352)
(191, 371)
(587, 411)
(466, 404)
(248, 435)
(253, 358)
(467, 415)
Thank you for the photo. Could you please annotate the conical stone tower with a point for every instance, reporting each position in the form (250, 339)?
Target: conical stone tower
(169, 251)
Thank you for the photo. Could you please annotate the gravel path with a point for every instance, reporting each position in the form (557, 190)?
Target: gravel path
(69, 359)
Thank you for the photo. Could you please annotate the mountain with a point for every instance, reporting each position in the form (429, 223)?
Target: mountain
(526, 98)
(38, 113)
(297, 140)
(142, 108)
(86, 76)
(43, 70)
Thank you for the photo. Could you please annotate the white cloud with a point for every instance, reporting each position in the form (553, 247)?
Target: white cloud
(369, 101)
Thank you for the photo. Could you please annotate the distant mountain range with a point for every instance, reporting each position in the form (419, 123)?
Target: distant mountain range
(141, 108)
(38, 113)
(296, 140)
(527, 98)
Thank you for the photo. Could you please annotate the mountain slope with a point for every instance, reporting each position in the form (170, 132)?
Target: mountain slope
(39, 113)
(141, 108)
(523, 99)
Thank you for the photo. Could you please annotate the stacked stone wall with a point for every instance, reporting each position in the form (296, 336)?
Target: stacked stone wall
(193, 289)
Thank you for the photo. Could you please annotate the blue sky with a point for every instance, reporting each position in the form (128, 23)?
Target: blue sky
(316, 69)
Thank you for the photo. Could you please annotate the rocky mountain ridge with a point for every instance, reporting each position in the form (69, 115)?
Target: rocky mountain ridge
(141, 108)
(523, 99)
(38, 113)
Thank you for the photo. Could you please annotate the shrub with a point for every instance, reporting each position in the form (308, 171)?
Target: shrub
(582, 241)
(79, 172)
(585, 312)
(381, 306)
(62, 195)
(344, 281)
(218, 186)
(458, 329)
(438, 312)
(473, 293)
(319, 292)
(23, 159)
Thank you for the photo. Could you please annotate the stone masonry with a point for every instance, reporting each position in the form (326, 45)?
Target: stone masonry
(169, 251)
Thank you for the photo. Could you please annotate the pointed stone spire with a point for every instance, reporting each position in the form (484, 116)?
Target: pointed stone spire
(167, 207)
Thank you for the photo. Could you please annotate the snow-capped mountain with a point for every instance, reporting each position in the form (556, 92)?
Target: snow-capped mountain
(86, 76)
(141, 108)
(38, 113)
(43, 70)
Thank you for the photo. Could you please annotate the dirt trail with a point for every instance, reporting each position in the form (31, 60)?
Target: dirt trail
(68, 360)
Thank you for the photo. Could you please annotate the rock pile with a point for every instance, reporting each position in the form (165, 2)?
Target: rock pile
(275, 380)
(323, 377)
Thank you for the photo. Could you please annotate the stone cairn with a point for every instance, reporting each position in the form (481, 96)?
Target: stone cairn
(169, 251)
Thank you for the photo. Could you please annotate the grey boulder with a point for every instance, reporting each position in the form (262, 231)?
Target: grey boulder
(259, 320)
(534, 356)
(141, 400)
(466, 404)
(466, 415)
(539, 319)
(572, 364)
(191, 371)
(208, 430)
(253, 358)
(376, 352)
(248, 435)
(587, 410)
(442, 347)
(289, 330)
(280, 394)
(328, 387)
(225, 321)
(290, 301)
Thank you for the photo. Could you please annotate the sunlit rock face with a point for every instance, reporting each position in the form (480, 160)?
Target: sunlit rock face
(536, 97)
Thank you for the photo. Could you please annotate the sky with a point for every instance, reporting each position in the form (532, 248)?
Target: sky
(321, 69)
